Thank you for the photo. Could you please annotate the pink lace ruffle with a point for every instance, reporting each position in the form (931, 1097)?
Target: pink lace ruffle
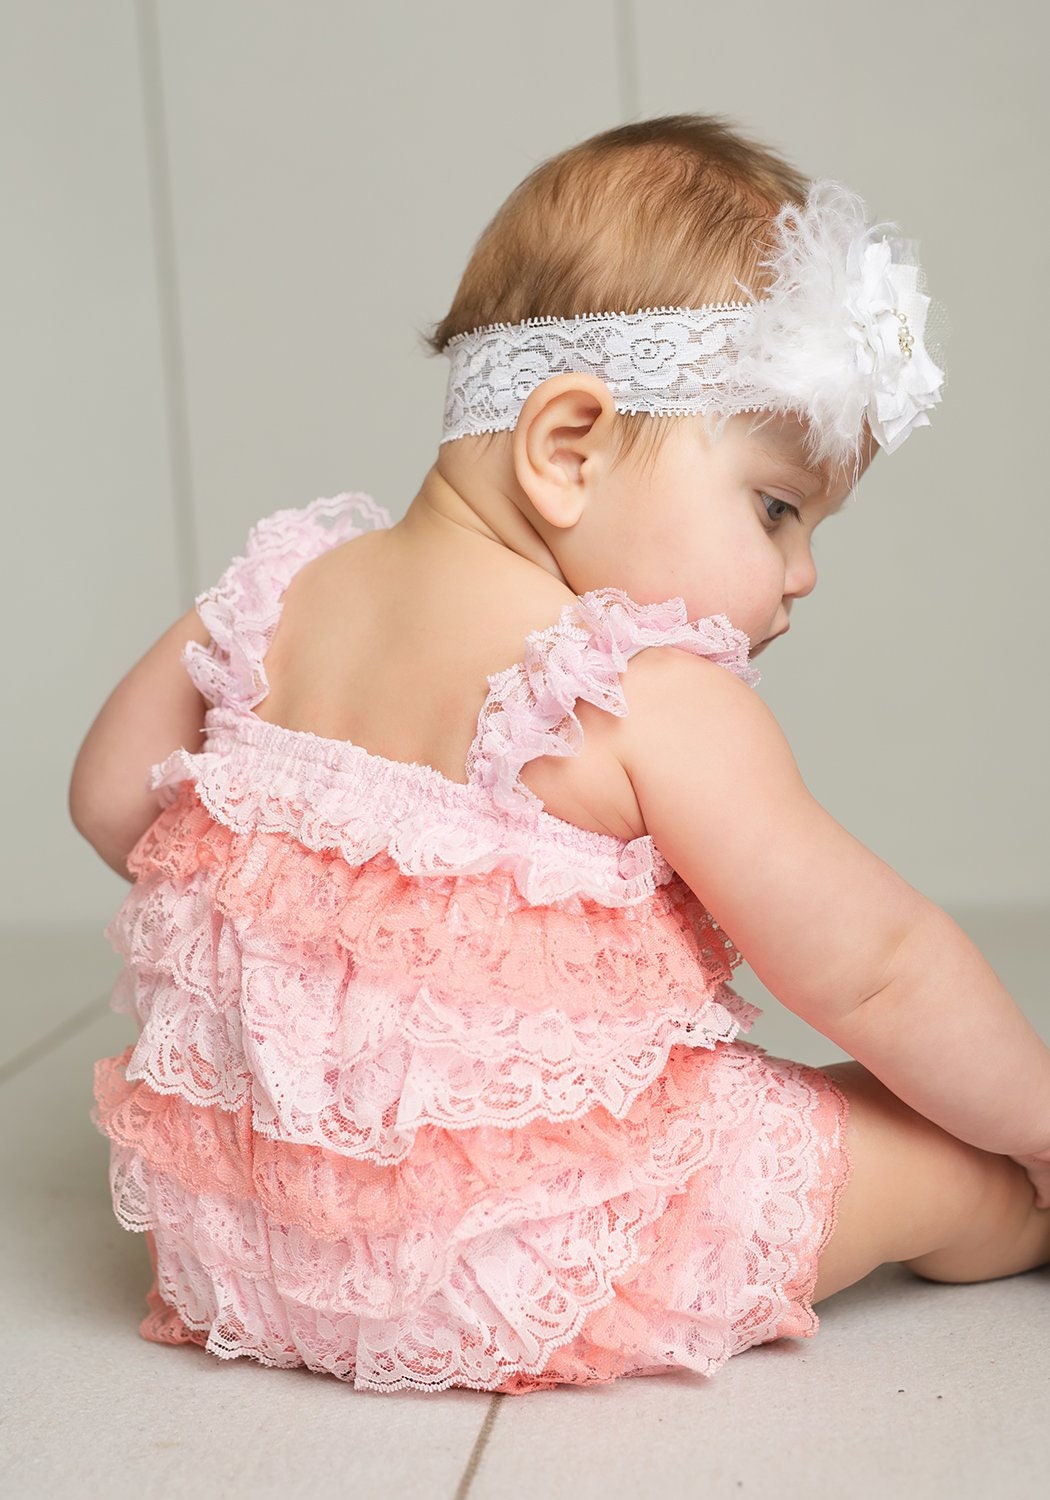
(354, 1006)
(530, 708)
(452, 1190)
(241, 610)
(253, 778)
(283, 895)
(498, 1260)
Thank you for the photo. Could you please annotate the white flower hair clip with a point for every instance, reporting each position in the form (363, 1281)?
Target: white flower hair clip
(839, 334)
(838, 338)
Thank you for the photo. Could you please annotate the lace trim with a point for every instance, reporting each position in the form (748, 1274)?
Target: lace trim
(662, 360)
(448, 931)
(418, 1215)
(356, 1004)
(241, 610)
(268, 1307)
(363, 805)
(530, 708)
(330, 1053)
(573, 1282)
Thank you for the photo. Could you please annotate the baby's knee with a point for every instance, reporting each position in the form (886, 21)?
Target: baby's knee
(915, 1187)
(1004, 1238)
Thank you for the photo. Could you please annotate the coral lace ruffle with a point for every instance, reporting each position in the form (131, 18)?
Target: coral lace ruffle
(432, 1088)
(502, 1260)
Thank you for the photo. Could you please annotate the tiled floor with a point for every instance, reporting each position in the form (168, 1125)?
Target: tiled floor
(909, 1389)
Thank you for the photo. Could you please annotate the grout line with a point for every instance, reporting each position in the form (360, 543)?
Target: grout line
(463, 1488)
(169, 308)
(627, 59)
(67, 1028)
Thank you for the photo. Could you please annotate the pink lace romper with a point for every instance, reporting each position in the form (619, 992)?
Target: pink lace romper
(431, 1087)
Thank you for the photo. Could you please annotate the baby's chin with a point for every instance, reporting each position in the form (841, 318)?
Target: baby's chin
(769, 639)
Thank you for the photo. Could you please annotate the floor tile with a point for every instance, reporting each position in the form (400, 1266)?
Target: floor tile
(97, 1411)
(909, 1389)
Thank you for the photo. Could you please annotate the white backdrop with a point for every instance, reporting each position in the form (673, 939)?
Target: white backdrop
(224, 224)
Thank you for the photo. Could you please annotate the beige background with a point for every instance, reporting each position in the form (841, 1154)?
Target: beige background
(224, 223)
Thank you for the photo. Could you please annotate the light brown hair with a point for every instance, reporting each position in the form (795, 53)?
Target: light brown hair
(667, 212)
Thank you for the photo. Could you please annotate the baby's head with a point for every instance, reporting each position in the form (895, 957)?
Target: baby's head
(663, 452)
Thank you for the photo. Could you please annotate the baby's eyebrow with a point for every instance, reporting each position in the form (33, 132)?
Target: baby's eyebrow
(799, 470)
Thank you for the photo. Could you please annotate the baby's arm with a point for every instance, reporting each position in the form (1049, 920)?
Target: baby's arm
(829, 928)
(153, 709)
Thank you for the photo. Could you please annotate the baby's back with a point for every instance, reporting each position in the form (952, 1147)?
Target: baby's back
(389, 646)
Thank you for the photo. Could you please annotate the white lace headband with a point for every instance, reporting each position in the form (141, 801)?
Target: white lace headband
(838, 338)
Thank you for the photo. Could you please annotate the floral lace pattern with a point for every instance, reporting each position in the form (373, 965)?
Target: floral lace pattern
(241, 610)
(432, 1087)
(675, 1239)
(353, 1005)
(530, 708)
(254, 781)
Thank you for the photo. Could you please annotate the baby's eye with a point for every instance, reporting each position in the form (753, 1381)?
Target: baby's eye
(793, 508)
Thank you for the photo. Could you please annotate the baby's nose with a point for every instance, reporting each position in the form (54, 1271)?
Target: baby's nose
(802, 575)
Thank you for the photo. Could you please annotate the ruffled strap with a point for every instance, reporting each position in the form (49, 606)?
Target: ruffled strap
(530, 708)
(241, 610)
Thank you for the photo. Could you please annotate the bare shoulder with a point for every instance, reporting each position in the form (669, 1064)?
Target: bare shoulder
(678, 701)
(700, 747)
(710, 766)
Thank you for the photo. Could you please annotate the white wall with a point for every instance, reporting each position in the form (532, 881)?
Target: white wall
(225, 223)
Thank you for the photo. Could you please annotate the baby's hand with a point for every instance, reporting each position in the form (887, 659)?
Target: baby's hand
(1038, 1169)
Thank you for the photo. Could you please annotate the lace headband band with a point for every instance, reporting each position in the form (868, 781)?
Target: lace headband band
(838, 338)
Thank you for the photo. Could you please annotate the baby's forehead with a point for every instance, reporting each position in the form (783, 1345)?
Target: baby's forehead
(783, 439)
(787, 446)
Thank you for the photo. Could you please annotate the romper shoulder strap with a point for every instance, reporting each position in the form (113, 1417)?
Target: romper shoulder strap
(242, 609)
(530, 707)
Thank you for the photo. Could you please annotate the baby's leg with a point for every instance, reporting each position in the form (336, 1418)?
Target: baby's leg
(919, 1195)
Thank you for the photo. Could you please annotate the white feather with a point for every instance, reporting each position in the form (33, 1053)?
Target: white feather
(808, 345)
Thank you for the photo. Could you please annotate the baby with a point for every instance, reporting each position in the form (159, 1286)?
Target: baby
(469, 819)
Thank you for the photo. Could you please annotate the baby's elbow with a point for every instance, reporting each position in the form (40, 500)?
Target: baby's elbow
(114, 855)
(81, 797)
(78, 810)
(109, 849)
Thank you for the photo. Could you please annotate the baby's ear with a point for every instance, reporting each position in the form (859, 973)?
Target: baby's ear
(563, 442)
